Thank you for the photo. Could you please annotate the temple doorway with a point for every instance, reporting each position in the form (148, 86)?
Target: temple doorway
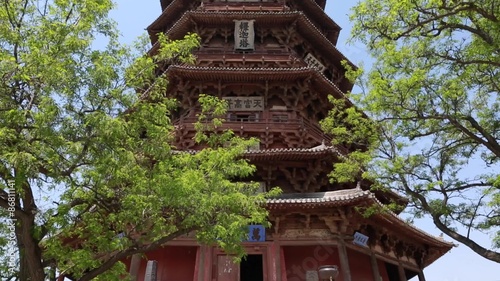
(252, 268)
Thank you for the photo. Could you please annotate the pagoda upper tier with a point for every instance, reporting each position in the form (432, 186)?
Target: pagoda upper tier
(173, 10)
(289, 30)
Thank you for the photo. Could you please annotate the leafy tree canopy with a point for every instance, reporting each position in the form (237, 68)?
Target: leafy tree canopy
(432, 97)
(88, 172)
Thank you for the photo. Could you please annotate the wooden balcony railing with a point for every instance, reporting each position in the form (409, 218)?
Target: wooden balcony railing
(223, 56)
(276, 123)
(247, 8)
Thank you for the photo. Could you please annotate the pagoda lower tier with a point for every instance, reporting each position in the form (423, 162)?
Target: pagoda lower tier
(309, 231)
(304, 170)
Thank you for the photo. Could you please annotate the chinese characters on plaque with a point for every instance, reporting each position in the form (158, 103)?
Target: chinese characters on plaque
(256, 233)
(244, 35)
(314, 62)
(360, 239)
(245, 103)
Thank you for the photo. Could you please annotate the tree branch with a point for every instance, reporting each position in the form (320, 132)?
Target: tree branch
(131, 251)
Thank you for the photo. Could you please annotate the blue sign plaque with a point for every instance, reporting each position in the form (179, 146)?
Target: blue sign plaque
(256, 233)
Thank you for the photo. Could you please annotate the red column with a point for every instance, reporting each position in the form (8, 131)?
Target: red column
(282, 264)
(274, 262)
(207, 264)
(344, 261)
(196, 275)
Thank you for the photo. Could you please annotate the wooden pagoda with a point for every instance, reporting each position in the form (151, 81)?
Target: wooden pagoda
(275, 62)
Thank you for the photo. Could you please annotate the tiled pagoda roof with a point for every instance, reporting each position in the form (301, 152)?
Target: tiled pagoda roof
(285, 153)
(324, 85)
(357, 197)
(293, 153)
(300, 154)
(316, 200)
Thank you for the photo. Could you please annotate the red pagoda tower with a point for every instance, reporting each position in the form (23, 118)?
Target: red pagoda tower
(275, 62)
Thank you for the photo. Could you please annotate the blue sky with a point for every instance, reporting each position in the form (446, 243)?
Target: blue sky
(460, 264)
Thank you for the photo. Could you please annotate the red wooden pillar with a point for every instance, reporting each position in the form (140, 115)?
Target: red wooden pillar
(401, 271)
(274, 265)
(282, 264)
(196, 275)
(375, 270)
(207, 264)
(344, 261)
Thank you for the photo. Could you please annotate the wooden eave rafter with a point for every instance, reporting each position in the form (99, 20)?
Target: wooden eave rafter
(172, 10)
(391, 196)
(321, 3)
(386, 195)
(316, 12)
(165, 3)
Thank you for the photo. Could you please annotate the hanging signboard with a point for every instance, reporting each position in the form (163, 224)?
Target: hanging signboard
(244, 35)
(314, 62)
(360, 239)
(245, 103)
(256, 233)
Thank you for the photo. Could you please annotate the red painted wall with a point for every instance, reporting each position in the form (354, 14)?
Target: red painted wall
(299, 259)
(175, 263)
(360, 266)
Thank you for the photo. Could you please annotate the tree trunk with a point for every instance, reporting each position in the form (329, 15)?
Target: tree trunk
(30, 257)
